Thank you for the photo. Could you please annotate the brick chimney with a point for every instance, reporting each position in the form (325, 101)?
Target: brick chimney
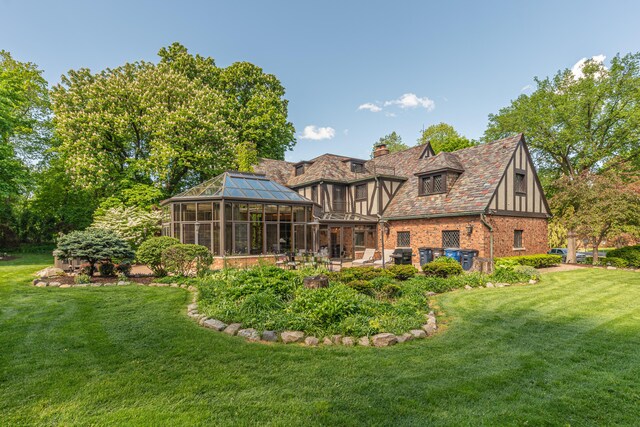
(380, 150)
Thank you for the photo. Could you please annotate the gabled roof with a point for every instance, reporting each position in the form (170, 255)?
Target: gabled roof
(442, 161)
(327, 167)
(483, 167)
(238, 186)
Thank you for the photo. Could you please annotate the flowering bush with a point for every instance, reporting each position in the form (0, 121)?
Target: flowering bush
(133, 224)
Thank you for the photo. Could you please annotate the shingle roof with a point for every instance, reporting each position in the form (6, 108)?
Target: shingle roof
(442, 160)
(482, 168)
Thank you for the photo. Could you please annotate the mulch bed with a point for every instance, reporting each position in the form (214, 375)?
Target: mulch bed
(68, 280)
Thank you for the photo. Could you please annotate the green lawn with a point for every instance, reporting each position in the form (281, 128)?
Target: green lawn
(565, 351)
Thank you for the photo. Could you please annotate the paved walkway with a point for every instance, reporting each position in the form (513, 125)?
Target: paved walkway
(563, 267)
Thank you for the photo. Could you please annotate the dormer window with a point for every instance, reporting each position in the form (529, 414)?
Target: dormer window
(357, 167)
(433, 184)
(299, 170)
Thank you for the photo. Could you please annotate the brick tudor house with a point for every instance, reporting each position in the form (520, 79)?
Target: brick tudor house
(486, 198)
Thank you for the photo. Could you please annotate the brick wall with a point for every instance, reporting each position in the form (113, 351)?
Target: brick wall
(534, 236)
(428, 233)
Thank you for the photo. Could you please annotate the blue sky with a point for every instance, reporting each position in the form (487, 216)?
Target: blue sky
(419, 62)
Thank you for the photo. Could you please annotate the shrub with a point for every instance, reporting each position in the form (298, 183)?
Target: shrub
(391, 290)
(631, 254)
(82, 279)
(615, 262)
(132, 223)
(182, 259)
(514, 274)
(442, 267)
(93, 245)
(403, 272)
(535, 261)
(350, 274)
(528, 271)
(106, 269)
(362, 286)
(124, 268)
(150, 253)
(382, 281)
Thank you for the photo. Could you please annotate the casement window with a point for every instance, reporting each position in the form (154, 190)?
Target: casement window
(314, 193)
(361, 192)
(404, 239)
(520, 182)
(451, 239)
(357, 167)
(433, 184)
(517, 239)
(299, 170)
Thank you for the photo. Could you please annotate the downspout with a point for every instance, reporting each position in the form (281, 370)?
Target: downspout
(483, 220)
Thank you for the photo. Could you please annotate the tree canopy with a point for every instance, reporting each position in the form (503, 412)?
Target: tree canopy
(444, 137)
(393, 141)
(576, 124)
(171, 124)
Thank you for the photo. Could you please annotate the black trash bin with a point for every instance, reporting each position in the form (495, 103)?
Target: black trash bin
(466, 258)
(426, 255)
(402, 256)
(437, 252)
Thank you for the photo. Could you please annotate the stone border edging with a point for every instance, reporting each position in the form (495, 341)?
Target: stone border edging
(383, 339)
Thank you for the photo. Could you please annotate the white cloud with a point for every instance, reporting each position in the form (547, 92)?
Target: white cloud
(577, 67)
(411, 100)
(370, 106)
(317, 133)
(526, 88)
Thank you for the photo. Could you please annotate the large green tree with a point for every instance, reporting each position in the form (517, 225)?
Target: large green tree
(24, 125)
(598, 206)
(575, 124)
(169, 124)
(444, 137)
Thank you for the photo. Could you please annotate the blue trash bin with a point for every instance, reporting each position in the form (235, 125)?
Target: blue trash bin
(452, 253)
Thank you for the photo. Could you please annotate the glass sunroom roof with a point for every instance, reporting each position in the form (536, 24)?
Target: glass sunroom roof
(242, 185)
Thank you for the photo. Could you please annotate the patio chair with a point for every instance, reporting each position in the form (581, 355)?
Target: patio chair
(386, 255)
(282, 260)
(367, 257)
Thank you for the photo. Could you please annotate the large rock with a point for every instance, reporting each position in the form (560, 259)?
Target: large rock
(311, 341)
(336, 339)
(467, 287)
(232, 329)
(348, 341)
(429, 328)
(289, 337)
(418, 333)
(316, 282)
(250, 334)
(54, 284)
(50, 272)
(41, 284)
(270, 336)
(65, 286)
(384, 340)
(489, 285)
(364, 341)
(327, 341)
(532, 282)
(214, 324)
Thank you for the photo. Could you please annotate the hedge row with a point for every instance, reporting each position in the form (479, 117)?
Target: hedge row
(631, 254)
(536, 261)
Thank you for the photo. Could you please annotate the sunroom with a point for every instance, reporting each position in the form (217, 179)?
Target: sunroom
(241, 214)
